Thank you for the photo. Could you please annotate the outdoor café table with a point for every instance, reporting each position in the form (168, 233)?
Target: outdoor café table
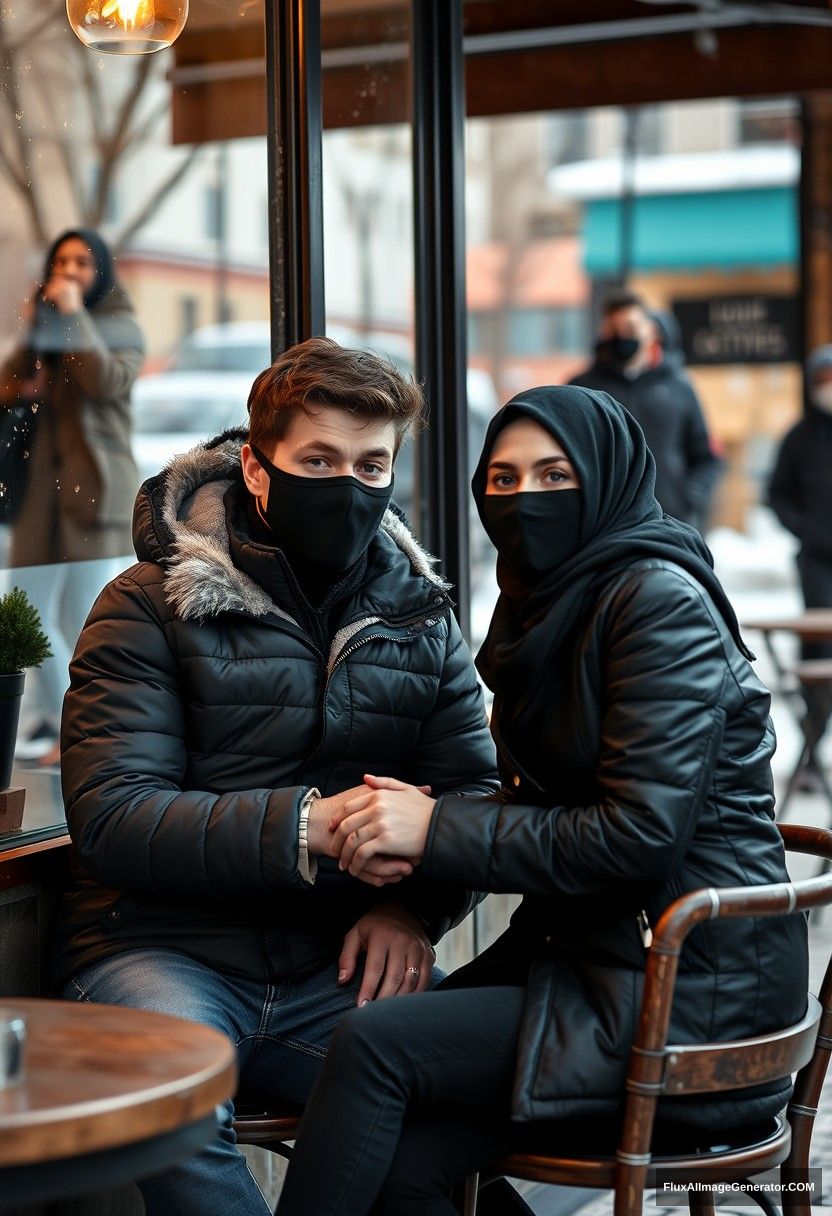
(108, 1095)
(813, 625)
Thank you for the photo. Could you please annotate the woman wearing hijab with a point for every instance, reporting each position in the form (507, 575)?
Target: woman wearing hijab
(635, 746)
(75, 373)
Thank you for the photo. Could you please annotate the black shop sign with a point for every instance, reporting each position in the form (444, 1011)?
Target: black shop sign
(739, 329)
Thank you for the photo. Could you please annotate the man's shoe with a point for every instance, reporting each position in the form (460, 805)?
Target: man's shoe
(37, 743)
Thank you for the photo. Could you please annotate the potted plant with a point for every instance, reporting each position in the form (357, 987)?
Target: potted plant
(22, 644)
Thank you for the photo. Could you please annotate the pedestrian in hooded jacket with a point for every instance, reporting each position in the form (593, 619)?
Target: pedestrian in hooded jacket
(282, 637)
(800, 494)
(637, 363)
(75, 370)
(635, 744)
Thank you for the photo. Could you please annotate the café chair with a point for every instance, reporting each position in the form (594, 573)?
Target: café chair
(658, 1069)
(661, 1070)
(260, 1124)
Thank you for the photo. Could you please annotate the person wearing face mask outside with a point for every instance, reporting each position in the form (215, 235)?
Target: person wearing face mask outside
(633, 365)
(800, 494)
(74, 373)
(282, 636)
(635, 745)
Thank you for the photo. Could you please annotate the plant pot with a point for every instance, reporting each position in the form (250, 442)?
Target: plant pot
(11, 692)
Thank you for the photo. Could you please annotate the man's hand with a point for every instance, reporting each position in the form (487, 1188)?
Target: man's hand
(399, 956)
(389, 818)
(64, 293)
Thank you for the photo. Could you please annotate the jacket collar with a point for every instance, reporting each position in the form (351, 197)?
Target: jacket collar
(180, 523)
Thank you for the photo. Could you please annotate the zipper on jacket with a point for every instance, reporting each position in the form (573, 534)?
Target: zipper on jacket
(389, 635)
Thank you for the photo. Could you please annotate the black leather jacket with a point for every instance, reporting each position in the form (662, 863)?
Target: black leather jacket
(659, 784)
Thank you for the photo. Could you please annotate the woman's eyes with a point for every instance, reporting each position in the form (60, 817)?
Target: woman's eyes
(505, 481)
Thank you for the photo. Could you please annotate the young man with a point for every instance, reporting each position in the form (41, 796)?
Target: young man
(631, 366)
(282, 636)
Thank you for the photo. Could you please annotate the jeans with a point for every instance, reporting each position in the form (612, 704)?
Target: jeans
(414, 1096)
(281, 1032)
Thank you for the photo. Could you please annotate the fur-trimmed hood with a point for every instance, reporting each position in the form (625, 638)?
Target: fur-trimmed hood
(180, 523)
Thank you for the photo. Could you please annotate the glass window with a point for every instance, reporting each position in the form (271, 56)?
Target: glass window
(368, 196)
(91, 144)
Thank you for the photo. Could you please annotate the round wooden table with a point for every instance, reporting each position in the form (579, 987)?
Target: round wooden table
(109, 1095)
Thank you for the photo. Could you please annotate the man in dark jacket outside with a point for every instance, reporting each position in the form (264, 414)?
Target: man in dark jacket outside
(800, 494)
(282, 636)
(631, 366)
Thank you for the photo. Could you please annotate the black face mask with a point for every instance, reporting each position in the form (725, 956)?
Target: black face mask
(328, 521)
(534, 532)
(617, 350)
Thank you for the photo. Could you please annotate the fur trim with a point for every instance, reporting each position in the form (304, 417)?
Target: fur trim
(201, 579)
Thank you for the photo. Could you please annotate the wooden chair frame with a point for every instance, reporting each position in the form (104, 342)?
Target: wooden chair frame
(657, 1069)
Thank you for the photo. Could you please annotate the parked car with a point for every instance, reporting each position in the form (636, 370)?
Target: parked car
(204, 389)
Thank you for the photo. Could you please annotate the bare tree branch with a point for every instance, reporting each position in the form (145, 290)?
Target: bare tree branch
(33, 111)
(158, 196)
(62, 141)
(11, 97)
(113, 145)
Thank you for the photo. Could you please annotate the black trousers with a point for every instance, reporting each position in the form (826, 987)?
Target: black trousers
(816, 583)
(413, 1097)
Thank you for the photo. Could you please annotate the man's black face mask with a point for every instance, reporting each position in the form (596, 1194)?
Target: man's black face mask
(618, 350)
(328, 521)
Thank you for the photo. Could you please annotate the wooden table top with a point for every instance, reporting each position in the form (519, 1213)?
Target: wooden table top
(813, 625)
(102, 1077)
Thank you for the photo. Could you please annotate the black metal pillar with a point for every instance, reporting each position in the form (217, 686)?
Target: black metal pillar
(296, 235)
(439, 227)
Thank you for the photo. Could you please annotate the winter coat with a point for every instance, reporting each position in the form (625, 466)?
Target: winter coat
(83, 479)
(200, 714)
(659, 784)
(665, 405)
(800, 490)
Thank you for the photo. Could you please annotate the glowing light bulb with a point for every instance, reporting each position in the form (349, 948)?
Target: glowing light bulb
(127, 27)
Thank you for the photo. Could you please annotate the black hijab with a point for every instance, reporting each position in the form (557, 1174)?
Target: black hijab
(621, 523)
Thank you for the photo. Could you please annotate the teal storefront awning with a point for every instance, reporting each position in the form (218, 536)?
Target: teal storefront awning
(720, 228)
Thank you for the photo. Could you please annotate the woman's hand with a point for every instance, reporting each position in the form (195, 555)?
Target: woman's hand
(390, 818)
(65, 294)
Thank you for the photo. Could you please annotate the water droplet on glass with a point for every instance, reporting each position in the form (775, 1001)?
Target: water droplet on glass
(77, 489)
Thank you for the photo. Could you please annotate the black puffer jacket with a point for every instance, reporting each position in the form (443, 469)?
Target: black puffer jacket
(199, 715)
(659, 784)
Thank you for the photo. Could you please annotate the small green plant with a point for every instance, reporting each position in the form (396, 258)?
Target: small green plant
(22, 640)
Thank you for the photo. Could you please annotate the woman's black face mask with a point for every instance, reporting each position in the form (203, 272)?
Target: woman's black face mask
(535, 531)
(328, 521)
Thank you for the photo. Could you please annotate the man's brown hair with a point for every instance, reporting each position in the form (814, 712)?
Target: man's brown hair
(320, 372)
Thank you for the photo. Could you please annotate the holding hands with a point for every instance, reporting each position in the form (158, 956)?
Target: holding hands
(377, 831)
